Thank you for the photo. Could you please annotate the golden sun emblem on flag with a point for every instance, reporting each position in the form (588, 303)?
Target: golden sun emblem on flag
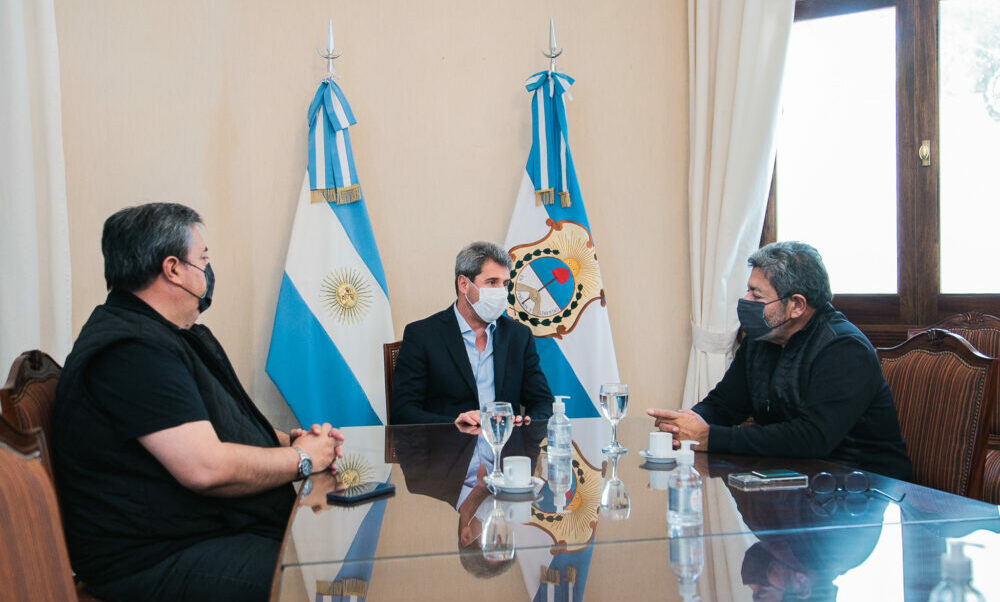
(354, 470)
(554, 279)
(347, 295)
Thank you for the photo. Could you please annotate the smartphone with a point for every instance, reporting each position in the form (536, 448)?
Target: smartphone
(776, 473)
(361, 493)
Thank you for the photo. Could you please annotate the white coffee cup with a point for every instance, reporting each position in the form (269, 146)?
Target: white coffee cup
(517, 512)
(517, 471)
(658, 479)
(661, 445)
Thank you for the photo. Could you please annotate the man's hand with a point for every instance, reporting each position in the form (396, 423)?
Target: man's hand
(684, 424)
(322, 443)
(471, 424)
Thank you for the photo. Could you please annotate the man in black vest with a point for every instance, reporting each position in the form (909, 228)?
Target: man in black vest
(470, 353)
(808, 377)
(173, 485)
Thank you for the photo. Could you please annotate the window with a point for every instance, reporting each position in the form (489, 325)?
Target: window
(906, 243)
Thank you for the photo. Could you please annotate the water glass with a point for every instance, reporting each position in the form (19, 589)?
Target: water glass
(614, 402)
(497, 418)
(615, 504)
(497, 540)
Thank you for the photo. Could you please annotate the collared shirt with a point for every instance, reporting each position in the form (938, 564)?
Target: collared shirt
(481, 363)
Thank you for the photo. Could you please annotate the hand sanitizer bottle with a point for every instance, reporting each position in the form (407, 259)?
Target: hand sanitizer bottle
(684, 490)
(560, 430)
(956, 576)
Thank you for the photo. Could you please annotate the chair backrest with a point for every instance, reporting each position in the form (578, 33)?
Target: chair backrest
(944, 392)
(33, 560)
(27, 443)
(26, 400)
(390, 353)
(983, 331)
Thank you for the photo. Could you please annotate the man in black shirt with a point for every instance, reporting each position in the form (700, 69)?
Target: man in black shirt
(808, 377)
(173, 485)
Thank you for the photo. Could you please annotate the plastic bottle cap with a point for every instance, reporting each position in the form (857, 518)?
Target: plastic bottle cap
(686, 454)
(955, 565)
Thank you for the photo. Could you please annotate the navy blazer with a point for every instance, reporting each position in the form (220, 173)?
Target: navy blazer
(433, 380)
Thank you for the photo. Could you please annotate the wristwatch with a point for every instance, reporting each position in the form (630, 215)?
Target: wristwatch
(305, 464)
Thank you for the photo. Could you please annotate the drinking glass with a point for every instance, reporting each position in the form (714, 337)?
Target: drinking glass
(615, 503)
(497, 422)
(497, 540)
(614, 402)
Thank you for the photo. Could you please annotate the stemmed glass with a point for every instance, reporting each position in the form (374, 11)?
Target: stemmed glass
(497, 540)
(614, 497)
(497, 423)
(614, 402)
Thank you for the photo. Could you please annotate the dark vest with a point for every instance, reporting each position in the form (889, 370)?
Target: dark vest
(151, 505)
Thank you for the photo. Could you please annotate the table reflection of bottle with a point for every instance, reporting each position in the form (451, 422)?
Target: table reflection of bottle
(559, 475)
(687, 557)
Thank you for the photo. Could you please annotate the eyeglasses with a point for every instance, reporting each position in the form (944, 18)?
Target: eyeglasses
(825, 483)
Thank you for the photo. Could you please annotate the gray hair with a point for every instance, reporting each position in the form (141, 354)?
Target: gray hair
(794, 268)
(469, 261)
(136, 240)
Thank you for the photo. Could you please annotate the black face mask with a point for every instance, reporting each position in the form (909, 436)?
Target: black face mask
(205, 300)
(752, 320)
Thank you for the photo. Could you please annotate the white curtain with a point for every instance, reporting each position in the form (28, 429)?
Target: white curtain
(736, 56)
(35, 287)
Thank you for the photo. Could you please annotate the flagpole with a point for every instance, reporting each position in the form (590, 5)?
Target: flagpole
(329, 55)
(553, 50)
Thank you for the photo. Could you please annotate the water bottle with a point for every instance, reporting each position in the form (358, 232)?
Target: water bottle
(687, 558)
(684, 490)
(560, 479)
(560, 430)
(956, 576)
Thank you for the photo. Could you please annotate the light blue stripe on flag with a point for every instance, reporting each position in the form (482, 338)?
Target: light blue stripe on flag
(360, 556)
(562, 379)
(354, 218)
(306, 366)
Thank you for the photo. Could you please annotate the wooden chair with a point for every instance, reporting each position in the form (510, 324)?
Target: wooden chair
(27, 398)
(944, 392)
(33, 559)
(983, 331)
(390, 353)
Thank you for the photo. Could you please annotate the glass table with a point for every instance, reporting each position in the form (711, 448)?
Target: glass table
(423, 543)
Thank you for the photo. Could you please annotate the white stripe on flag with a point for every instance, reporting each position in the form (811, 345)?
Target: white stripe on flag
(591, 352)
(338, 109)
(319, 246)
(543, 149)
(345, 170)
(527, 224)
(319, 151)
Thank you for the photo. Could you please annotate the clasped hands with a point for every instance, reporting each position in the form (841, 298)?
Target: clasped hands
(321, 442)
(470, 424)
(683, 424)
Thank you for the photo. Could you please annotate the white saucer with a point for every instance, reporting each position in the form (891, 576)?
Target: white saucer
(530, 488)
(657, 459)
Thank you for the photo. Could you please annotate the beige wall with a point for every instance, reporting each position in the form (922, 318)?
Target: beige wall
(204, 103)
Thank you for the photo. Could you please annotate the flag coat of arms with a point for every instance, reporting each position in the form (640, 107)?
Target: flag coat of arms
(332, 315)
(556, 287)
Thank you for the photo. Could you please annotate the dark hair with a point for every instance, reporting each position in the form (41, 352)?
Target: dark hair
(469, 261)
(478, 566)
(794, 268)
(136, 240)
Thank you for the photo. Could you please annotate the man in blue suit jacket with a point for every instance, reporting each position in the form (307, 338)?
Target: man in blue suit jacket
(453, 362)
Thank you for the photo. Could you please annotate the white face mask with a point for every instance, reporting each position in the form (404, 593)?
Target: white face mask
(492, 303)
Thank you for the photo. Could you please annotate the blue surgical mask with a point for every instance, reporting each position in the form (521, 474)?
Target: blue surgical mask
(752, 320)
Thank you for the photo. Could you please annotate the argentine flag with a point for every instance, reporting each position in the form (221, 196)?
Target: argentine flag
(556, 286)
(332, 315)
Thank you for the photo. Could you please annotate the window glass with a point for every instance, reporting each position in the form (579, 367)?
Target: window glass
(969, 181)
(836, 147)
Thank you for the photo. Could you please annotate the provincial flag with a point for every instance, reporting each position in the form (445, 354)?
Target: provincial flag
(332, 315)
(556, 287)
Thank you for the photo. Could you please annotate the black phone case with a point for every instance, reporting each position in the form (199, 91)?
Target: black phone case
(332, 497)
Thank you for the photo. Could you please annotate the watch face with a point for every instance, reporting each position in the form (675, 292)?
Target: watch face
(305, 467)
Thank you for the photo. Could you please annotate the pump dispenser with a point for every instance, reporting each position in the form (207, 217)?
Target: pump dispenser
(684, 490)
(560, 431)
(956, 575)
